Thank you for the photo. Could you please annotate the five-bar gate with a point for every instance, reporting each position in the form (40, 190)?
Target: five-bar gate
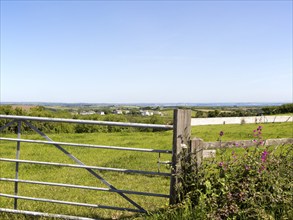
(181, 137)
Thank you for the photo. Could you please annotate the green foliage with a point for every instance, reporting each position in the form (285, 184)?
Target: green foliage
(241, 112)
(40, 111)
(230, 113)
(286, 108)
(205, 192)
(255, 184)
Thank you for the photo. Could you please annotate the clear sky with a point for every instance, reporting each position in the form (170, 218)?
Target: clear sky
(146, 51)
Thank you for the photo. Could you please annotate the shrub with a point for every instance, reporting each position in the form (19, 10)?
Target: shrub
(255, 183)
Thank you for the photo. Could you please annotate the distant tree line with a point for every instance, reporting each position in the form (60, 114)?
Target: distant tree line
(53, 127)
(235, 113)
(270, 110)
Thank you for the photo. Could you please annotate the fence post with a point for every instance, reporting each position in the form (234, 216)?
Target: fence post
(181, 140)
(196, 151)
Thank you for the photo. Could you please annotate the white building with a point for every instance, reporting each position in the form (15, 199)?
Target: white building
(146, 113)
(88, 113)
(117, 112)
(101, 113)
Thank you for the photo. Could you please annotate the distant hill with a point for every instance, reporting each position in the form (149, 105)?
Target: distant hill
(225, 104)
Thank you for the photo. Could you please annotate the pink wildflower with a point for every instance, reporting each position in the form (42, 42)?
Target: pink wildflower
(259, 128)
(264, 156)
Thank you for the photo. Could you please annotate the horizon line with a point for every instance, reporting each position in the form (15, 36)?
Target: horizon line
(142, 103)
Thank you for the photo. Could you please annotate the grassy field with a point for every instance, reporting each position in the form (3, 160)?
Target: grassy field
(242, 132)
(105, 158)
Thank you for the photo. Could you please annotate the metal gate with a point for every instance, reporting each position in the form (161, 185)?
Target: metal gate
(19, 120)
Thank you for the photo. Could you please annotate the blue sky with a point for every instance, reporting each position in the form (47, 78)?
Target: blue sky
(146, 51)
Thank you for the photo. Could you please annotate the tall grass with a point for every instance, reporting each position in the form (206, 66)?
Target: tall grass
(105, 158)
(93, 157)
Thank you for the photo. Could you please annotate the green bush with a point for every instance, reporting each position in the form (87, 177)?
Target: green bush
(286, 108)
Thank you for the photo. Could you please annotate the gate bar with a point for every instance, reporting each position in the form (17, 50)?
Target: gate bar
(92, 122)
(86, 167)
(69, 217)
(71, 203)
(85, 187)
(87, 145)
(7, 125)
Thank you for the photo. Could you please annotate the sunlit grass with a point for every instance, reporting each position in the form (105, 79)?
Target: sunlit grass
(105, 158)
(93, 157)
(243, 132)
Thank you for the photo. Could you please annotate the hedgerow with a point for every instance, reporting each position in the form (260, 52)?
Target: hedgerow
(255, 183)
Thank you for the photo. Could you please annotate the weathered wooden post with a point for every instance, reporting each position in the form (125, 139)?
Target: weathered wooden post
(181, 140)
(196, 152)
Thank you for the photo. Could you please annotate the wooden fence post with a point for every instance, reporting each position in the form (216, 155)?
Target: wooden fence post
(181, 140)
(196, 151)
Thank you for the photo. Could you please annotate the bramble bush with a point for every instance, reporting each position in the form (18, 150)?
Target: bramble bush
(255, 183)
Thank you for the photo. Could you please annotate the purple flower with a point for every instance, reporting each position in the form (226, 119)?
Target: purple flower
(233, 154)
(221, 164)
(221, 133)
(264, 156)
(259, 128)
(254, 130)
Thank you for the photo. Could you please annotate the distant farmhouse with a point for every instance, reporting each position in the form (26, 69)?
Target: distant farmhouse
(118, 112)
(146, 113)
(121, 112)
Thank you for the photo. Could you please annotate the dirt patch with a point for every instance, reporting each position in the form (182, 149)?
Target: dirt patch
(24, 107)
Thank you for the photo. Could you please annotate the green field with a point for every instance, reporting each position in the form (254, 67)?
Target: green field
(242, 132)
(105, 158)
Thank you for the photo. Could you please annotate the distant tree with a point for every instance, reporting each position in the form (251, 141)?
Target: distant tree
(19, 111)
(217, 112)
(286, 108)
(199, 114)
(211, 114)
(270, 110)
(6, 110)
